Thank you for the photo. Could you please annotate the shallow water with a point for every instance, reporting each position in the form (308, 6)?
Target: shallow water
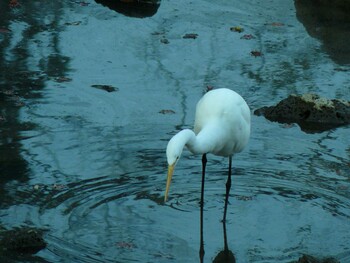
(89, 165)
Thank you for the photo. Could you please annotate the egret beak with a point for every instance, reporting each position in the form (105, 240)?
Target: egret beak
(168, 181)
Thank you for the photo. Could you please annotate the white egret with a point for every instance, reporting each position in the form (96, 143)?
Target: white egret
(222, 127)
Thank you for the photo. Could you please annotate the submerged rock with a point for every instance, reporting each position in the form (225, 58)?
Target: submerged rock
(25, 240)
(107, 88)
(310, 111)
(310, 259)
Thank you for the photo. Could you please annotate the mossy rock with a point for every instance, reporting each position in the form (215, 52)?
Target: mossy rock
(310, 111)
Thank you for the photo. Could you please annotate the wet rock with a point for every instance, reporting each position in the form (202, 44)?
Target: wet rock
(107, 88)
(164, 41)
(190, 36)
(328, 21)
(24, 240)
(132, 8)
(310, 111)
(310, 259)
(256, 53)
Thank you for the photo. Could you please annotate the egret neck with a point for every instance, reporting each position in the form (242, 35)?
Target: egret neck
(197, 144)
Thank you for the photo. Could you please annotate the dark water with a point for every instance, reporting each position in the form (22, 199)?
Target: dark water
(89, 165)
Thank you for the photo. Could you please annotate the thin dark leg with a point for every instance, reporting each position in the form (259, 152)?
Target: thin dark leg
(201, 249)
(225, 235)
(228, 187)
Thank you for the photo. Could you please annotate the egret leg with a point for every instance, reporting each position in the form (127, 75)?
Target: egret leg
(201, 249)
(228, 187)
(225, 236)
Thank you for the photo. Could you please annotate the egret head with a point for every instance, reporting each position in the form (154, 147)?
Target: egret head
(173, 153)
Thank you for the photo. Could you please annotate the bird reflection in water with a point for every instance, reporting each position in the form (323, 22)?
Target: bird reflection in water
(225, 255)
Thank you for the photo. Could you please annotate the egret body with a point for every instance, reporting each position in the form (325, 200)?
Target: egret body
(221, 127)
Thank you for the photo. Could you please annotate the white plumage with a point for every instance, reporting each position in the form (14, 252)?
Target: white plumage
(222, 127)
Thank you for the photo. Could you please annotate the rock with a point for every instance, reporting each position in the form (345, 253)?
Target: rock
(190, 36)
(310, 259)
(164, 41)
(107, 88)
(132, 8)
(24, 240)
(328, 21)
(310, 111)
(255, 53)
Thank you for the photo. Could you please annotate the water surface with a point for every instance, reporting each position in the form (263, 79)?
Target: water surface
(89, 165)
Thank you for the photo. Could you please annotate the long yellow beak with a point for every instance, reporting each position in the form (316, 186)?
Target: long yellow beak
(168, 181)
